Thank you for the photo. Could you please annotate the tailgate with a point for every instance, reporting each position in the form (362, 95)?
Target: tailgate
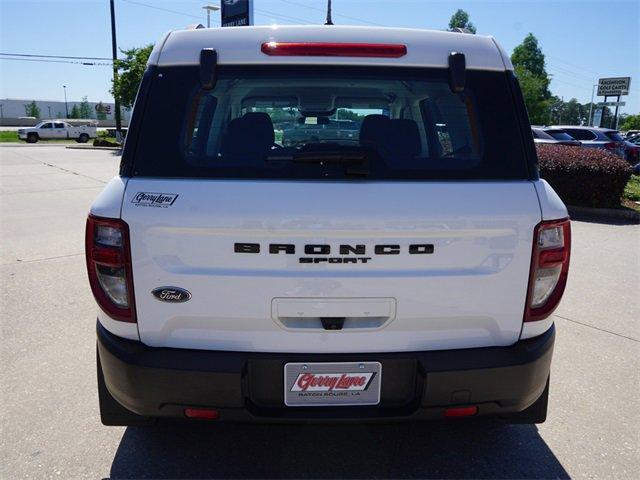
(280, 266)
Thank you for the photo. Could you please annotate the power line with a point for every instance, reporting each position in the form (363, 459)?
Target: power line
(52, 56)
(55, 61)
(333, 13)
(295, 19)
(155, 7)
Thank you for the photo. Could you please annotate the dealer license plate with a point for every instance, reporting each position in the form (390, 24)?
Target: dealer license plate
(332, 384)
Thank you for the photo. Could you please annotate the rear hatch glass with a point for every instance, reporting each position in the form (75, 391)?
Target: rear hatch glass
(329, 123)
(614, 136)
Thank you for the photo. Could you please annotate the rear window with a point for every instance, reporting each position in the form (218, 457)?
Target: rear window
(614, 136)
(328, 123)
(559, 134)
(581, 134)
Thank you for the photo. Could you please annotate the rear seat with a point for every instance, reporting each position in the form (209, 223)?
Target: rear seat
(248, 137)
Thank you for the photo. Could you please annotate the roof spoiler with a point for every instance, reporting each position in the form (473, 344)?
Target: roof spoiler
(457, 72)
(208, 63)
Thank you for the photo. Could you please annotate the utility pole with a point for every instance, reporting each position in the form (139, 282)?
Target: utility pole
(66, 106)
(114, 52)
(329, 21)
(593, 90)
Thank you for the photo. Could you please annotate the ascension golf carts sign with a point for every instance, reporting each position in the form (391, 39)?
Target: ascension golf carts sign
(613, 87)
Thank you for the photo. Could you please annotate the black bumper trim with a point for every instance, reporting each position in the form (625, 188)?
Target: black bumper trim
(162, 381)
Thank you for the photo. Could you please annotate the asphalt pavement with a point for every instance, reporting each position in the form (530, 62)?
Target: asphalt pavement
(48, 402)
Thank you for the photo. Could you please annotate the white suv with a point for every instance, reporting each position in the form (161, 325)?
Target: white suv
(407, 271)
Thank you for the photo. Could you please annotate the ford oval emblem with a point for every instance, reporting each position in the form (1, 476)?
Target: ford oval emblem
(171, 294)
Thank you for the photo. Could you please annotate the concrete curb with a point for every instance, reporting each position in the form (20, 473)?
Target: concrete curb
(91, 147)
(30, 145)
(605, 213)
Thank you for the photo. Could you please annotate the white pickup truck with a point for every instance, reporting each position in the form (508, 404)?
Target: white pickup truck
(408, 271)
(58, 129)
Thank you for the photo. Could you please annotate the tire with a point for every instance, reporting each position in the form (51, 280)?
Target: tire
(536, 413)
(114, 414)
(32, 137)
(83, 138)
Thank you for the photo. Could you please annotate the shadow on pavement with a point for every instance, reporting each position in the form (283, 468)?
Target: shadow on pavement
(426, 450)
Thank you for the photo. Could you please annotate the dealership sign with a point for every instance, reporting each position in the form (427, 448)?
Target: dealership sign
(613, 87)
(237, 13)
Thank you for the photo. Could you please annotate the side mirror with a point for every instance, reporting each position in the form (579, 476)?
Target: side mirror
(457, 72)
(208, 63)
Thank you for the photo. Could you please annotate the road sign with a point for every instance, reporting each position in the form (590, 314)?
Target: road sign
(237, 13)
(613, 87)
(611, 104)
(597, 118)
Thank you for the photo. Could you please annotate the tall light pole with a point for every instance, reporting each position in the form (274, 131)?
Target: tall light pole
(114, 53)
(209, 9)
(66, 106)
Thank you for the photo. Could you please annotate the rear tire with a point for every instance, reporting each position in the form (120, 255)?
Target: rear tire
(114, 414)
(32, 137)
(83, 138)
(536, 413)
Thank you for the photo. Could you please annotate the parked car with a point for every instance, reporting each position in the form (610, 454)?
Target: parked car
(554, 136)
(411, 274)
(328, 131)
(593, 137)
(631, 133)
(632, 150)
(58, 129)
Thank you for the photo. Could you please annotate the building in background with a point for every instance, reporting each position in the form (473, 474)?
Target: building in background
(13, 111)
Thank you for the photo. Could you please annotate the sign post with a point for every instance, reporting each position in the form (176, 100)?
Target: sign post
(236, 13)
(614, 87)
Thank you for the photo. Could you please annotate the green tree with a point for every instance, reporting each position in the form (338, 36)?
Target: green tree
(75, 112)
(534, 91)
(130, 72)
(32, 110)
(529, 65)
(84, 111)
(460, 19)
(529, 56)
(631, 122)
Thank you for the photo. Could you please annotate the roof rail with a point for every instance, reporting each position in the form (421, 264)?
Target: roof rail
(194, 26)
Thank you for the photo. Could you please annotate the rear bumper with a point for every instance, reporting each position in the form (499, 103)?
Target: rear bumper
(162, 382)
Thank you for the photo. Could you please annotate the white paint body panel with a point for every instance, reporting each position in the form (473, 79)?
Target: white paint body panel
(469, 293)
(108, 202)
(241, 45)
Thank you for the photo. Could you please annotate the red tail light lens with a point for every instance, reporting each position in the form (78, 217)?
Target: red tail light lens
(460, 412)
(549, 268)
(611, 145)
(109, 266)
(315, 49)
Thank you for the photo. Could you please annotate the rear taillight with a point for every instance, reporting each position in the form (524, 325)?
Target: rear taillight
(611, 145)
(321, 49)
(549, 268)
(108, 255)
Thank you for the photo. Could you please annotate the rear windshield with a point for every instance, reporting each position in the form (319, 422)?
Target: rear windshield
(328, 123)
(559, 134)
(614, 136)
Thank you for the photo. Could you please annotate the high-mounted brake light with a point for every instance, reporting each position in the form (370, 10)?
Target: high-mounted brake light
(549, 268)
(318, 49)
(109, 266)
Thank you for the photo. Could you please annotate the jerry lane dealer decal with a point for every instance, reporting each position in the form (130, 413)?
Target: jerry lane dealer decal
(154, 199)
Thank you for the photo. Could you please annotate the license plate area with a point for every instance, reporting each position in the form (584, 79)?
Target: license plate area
(330, 384)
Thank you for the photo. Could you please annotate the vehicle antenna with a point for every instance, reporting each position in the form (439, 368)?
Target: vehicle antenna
(329, 21)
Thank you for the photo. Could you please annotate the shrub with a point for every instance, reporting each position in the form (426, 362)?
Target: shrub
(586, 177)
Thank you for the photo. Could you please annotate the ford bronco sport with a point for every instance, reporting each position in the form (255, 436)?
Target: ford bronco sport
(407, 271)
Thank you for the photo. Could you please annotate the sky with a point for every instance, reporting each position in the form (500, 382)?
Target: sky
(582, 40)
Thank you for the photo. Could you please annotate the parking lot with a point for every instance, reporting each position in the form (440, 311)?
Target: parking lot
(51, 426)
